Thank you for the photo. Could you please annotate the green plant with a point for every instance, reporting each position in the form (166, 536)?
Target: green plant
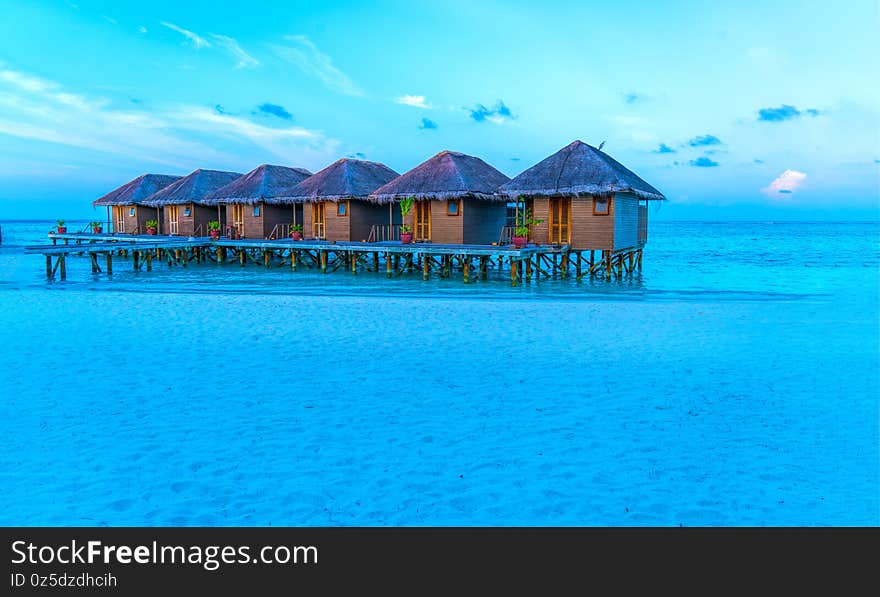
(296, 228)
(213, 225)
(524, 223)
(406, 205)
(95, 224)
(152, 224)
(60, 223)
(404, 229)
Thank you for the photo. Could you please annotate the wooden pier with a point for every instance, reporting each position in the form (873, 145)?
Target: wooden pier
(472, 262)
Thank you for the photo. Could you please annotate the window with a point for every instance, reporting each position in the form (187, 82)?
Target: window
(187, 211)
(601, 205)
(342, 208)
(130, 212)
(256, 211)
(453, 207)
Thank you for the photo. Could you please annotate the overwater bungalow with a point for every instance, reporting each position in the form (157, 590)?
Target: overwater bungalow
(125, 212)
(338, 207)
(253, 203)
(455, 199)
(586, 199)
(181, 202)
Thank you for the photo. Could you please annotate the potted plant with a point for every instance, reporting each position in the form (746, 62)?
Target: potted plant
(524, 223)
(60, 227)
(214, 229)
(406, 235)
(152, 227)
(97, 228)
(296, 232)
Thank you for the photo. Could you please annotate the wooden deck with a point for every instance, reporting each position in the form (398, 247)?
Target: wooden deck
(472, 261)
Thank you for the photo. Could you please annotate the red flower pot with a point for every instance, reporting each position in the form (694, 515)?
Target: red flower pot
(214, 234)
(406, 237)
(296, 235)
(151, 231)
(62, 230)
(97, 229)
(520, 241)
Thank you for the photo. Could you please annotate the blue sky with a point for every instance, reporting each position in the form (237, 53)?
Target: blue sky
(747, 110)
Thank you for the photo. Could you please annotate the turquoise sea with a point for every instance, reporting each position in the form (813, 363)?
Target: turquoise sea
(735, 382)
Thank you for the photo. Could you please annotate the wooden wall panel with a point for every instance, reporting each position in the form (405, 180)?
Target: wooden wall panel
(590, 231)
(483, 221)
(365, 215)
(626, 220)
(274, 215)
(337, 227)
(446, 229)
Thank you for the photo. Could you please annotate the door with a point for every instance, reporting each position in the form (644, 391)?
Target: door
(119, 220)
(318, 228)
(172, 219)
(238, 219)
(422, 220)
(560, 216)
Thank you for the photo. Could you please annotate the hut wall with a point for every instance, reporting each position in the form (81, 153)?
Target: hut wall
(482, 221)
(253, 225)
(626, 220)
(307, 221)
(363, 216)
(540, 207)
(336, 227)
(590, 231)
(272, 215)
(446, 229)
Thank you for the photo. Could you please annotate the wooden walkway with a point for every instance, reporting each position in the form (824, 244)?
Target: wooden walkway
(472, 261)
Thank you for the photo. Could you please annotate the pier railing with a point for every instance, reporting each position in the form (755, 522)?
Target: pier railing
(506, 236)
(281, 231)
(384, 232)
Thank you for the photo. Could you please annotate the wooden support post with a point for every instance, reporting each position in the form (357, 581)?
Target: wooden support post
(265, 257)
(185, 254)
(149, 261)
(93, 263)
(528, 269)
(109, 262)
(564, 265)
(387, 264)
(323, 262)
(513, 272)
(639, 260)
(217, 255)
(466, 268)
(577, 266)
(353, 258)
(136, 257)
(396, 262)
(62, 267)
(49, 266)
(620, 265)
(426, 266)
(242, 256)
(606, 255)
(375, 261)
(484, 261)
(293, 260)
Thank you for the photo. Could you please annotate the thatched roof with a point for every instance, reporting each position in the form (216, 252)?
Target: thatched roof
(447, 175)
(578, 169)
(192, 188)
(343, 179)
(265, 183)
(136, 190)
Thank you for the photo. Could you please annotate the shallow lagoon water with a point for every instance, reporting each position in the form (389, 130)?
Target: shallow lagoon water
(734, 383)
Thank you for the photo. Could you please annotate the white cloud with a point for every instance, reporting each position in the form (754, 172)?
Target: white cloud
(197, 40)
(785, 184)
(416, 101)
(142, 29)
(182, 137)
(308, 58)
(110, 20)
(243, 59)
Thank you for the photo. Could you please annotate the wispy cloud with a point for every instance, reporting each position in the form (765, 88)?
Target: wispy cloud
(177, 136)
(499, 113)
(633, 97)
(784, 112)
(416, 101)
(71, 4)
(785, 184)
(142, 29)
(664, 148)
(305, 55)
(110, 20)
(703, 163)
(703, 140)
(427, 124)
(243, 59)
(197, 40)
(274, 110)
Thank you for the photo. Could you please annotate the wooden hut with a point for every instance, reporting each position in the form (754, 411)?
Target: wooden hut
(254, 208)
(125, 213)
(183, 213)
(336, 205)
(455, 200)
(586, 199)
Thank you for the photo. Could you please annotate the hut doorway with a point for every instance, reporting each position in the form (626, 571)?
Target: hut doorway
(318, 228)
(560, 217)
(238, 218)
(422, 220)
(119, 224)
(173, 227)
